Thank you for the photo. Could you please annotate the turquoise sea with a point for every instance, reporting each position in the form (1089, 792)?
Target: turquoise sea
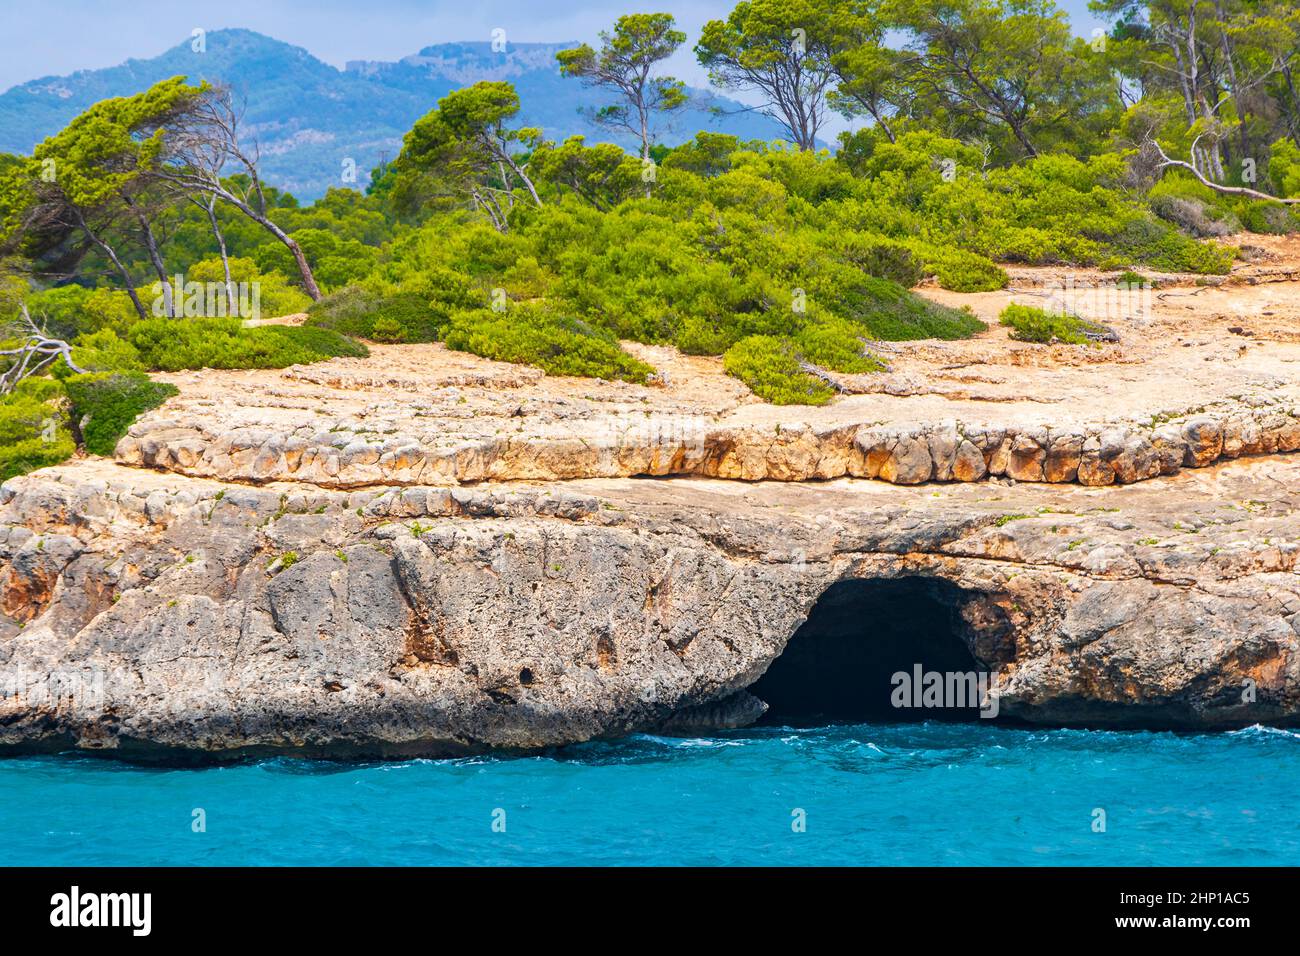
(919, 794)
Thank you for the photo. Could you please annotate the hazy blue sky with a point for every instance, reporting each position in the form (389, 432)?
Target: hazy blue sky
(54, 37)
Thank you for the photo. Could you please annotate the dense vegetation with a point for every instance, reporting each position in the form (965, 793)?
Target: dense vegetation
(988, 134)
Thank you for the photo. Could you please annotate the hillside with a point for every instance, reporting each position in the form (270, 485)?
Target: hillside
(309, 116)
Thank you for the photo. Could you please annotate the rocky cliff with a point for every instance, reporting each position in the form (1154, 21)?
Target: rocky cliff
(156, 615)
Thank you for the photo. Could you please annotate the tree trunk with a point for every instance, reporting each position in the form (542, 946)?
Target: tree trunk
(304, 269)
(155, 258)
(1292, 114)
(112, 257)
(211, 207)
(645, 144)
(528, 183)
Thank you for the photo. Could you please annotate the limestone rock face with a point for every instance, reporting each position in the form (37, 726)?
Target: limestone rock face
(150, 614)
(903, 453)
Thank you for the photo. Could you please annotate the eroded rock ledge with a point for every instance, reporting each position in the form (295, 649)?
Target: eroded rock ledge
(152, 614)
(623, 446)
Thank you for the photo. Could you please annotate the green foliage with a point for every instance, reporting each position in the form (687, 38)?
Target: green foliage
(556, 343)
(1284, 168)
(70, 310)
(107, 403)
(885, 258)
(102, 155)
(33, 427)
(961, 271)
(886, 311)
(1168, 250)
(1031, 324)
(102, 351)
(770, 366)
(836, 344)
(276, 296)
(1270, 218)
(362, 313)
(170, 345)
(1192, 207)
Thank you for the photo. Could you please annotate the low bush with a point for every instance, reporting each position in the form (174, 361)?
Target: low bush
(101, 351)
(959, 270)
(33, 427)
(1160, 246)
(770, 366)
(170, 345)
(883, 258)
(888, 312)
(836, 344)
(362, 313)
(1269, 218)
(1195, 216)
(533, 335)
(1031, 324)
(106, 404)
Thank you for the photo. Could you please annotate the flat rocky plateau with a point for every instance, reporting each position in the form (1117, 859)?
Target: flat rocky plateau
(428, 553)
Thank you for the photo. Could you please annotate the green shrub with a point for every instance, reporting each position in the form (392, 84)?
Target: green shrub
(1269, 218)
(1195, 217)
(71, 310)
(836, 344)
(1031, 324)
(1284, 168)
(275, 295)
(1164, 248)
(1192, 207)
(107, 403)
(770, 366)
(884, 258)
(33, 427)
(170, 345)
(557, 344)
(362, 313)
(101, 351)
(888, 312)
(959, 270)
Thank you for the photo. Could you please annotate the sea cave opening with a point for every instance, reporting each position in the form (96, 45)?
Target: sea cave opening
(843, 664)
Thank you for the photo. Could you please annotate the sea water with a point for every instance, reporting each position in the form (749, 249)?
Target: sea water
(879, 794)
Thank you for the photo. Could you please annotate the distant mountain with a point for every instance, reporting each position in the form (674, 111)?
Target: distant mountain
(309, 117)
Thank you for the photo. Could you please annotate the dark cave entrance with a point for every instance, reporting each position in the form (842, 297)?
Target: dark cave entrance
(839, 666)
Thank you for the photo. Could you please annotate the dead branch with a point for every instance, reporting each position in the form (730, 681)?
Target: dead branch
(36, 353)
(1166, 161)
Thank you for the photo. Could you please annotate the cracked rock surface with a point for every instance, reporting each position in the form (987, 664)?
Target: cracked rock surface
(151, 614)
